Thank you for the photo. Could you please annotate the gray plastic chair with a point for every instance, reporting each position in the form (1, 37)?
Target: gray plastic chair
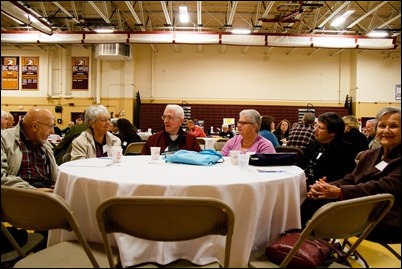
(166, 219)
(337, 220)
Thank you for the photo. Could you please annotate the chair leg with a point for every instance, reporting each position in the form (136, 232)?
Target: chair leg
(356, 253)
(390, 249)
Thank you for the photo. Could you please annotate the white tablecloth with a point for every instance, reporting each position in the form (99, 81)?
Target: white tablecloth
(209, 142)
(265, 203)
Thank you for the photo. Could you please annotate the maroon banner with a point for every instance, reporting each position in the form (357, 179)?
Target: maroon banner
(30, 66)
(80, 73)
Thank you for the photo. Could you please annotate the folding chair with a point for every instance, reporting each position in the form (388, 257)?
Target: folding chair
(41, 211)
(220, 143)
(166, 219)
(337, 220)
(201, 142)
(134, 148)
(34, 241)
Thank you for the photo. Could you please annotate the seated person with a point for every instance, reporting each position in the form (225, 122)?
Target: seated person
(225, 133)
(265, 130)
(328, 155)
(282, 132)
(96, 140)
(195, 129)
(378, 171)
(67, 129)
(353, 134)
(27, 159)
(62, 152)
(172, 137)
(248, 139)
(127, 133)
(301, 135)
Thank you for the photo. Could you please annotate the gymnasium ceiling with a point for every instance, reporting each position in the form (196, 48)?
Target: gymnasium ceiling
(261, 17)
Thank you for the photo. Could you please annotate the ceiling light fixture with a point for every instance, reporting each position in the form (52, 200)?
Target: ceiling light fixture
(241, 31)
(184, 18)
(378, 33)
(341, 19)
(103, 30)
(20, 13)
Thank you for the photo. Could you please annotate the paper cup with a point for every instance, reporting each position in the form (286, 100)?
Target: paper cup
(117, 154)
(243, 161)
(155, 153)
(234, 157)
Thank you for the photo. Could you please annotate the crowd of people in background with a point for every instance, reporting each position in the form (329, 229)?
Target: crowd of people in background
(340, 161)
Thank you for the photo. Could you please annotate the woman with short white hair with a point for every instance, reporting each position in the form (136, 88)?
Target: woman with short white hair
(96, 140)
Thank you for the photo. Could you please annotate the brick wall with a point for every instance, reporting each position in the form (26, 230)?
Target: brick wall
(150, 114)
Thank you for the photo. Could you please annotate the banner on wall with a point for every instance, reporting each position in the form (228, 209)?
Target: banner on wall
(9, 73)
(29, 70)
(80, 73)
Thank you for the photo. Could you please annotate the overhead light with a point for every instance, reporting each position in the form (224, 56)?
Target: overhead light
(22, 14)
(378, 33)
(341, 19)
(241, 31)
(107, 30)
(184, 18)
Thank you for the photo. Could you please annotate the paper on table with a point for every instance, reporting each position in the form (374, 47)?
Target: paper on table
(267, 170)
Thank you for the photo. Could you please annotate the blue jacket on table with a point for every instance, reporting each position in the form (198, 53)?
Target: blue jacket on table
(162, 139)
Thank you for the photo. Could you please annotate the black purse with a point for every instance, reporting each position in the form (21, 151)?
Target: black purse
(273, 159)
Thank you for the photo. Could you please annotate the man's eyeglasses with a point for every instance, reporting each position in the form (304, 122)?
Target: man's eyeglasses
(244, 122)
(168, 117)
(48, 125)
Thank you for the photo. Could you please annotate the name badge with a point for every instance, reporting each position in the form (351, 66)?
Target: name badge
(124, 143)
(381, 165)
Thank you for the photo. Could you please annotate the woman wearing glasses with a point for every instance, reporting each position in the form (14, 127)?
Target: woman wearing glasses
(248, 139)
(172, 138)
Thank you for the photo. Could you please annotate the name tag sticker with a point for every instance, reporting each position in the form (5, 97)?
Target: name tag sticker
(381, 165)
(124, 143)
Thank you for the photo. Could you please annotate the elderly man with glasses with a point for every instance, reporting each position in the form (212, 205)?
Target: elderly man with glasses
(172, 138)
(27, 159)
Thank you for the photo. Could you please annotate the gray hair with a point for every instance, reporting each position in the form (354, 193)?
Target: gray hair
(372, 121)
(253, 116)
(387, 110)
(178, 110)
(93, 112)
(4, 114)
